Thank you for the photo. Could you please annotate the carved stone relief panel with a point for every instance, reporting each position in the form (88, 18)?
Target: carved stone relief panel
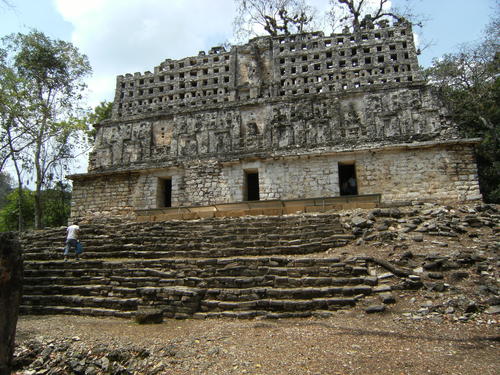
(163, 132)
(280, 125)
(253, 125)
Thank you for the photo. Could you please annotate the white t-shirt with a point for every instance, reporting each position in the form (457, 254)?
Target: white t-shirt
(73, 232)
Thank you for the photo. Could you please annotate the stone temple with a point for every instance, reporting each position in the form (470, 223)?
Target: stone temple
(301, 117)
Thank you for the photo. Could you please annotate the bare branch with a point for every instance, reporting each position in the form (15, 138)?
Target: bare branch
(354, 14)
(274, 17)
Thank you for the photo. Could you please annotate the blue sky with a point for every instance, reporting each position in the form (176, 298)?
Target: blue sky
(125, 36)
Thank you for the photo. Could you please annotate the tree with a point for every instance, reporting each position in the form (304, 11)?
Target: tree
(356, 14)
(253, 17)
(56, 207)
(6, 4)
(14, 114)
(468, 82)
(18, 205)
(57, 204)
(47, 77)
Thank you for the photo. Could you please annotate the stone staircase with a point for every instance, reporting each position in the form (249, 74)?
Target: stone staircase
(231, 267)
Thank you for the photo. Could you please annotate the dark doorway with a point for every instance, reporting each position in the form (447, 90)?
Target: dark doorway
(347, 179)
(252, 185)
(165, 192)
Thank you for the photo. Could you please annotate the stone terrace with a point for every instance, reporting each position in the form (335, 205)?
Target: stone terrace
(232, 267)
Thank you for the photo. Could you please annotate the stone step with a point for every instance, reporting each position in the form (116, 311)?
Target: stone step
(72, 310)
(229, 263)
(200, 267)
(222, 294)
(247, 223)
(250, 266)
(114, 303)
(253, 294)
(201, 274)
(186, 270)
(279, 304)
(263, 233)
(252, 314)
(205, 244)
(278, 265)
(226, 252)
(201, 282)
(96, 290)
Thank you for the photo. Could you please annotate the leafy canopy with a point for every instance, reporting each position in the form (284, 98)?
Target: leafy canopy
(468, 82)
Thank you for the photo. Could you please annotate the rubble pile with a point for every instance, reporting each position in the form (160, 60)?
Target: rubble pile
(381, 225)
(70, 356)
(453, 250)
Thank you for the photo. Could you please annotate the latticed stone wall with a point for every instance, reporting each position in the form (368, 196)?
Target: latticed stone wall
(309, 63)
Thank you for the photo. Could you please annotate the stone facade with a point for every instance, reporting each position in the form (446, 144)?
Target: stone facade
(285, 117)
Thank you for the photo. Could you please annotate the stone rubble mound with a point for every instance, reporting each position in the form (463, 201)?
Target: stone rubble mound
(41, 356)
(454, 250)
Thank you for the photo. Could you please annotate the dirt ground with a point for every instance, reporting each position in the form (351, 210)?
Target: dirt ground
(350, 342)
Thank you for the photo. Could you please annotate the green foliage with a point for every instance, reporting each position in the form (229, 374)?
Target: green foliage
(40, 107)
(469, 83)
(56, 205)
(9, 214)
(102, 112)
(56, 208)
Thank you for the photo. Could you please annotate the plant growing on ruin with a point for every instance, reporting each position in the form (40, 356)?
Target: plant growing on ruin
(275, 17)
(39, 110)
(100, 113)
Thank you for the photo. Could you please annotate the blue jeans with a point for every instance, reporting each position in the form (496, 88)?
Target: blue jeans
(70, 244)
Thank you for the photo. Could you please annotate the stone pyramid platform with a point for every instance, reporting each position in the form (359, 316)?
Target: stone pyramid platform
(261, 266)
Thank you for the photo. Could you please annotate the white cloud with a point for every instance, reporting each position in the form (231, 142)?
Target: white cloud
(127, 36)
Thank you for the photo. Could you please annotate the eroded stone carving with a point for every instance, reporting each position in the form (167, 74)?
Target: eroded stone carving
(273, 94)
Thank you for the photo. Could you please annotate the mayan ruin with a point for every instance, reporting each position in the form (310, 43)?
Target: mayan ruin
(295, 204)
(279, 118)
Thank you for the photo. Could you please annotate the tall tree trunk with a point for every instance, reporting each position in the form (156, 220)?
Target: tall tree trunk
(20, 201)
(11, 282)
(38, 206)
(20, 197)
(20, 219)
(38, 183)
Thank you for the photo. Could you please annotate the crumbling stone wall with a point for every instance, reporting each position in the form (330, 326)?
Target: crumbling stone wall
(309, 63)
(290, 107)
(446, 174)
(283, 127)
(273, 94)
(105, 195)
